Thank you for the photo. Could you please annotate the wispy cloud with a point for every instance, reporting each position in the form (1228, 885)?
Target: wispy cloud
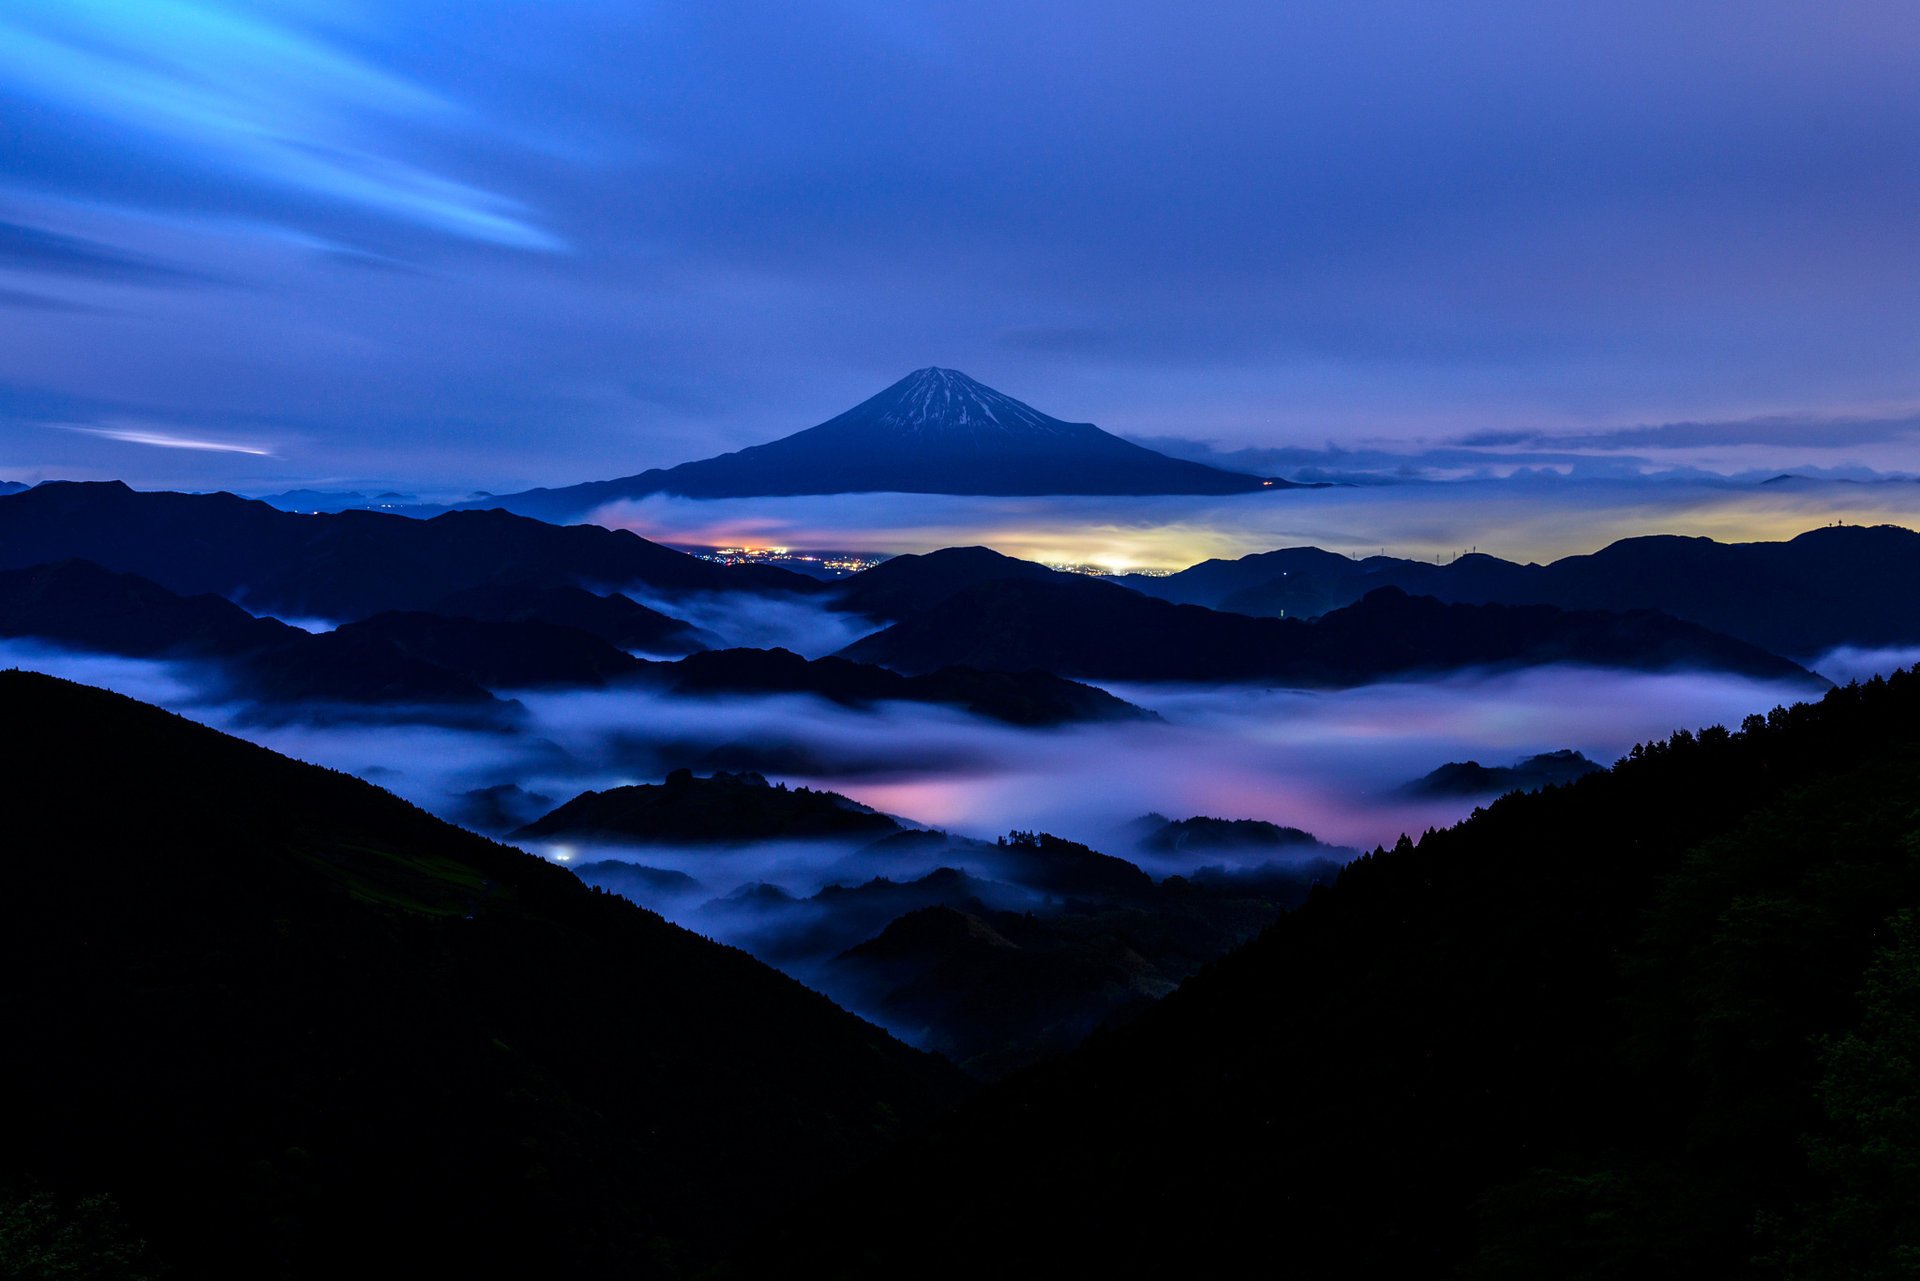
(1778, 431)
(1735, 448)
(137, 435)
(195, 86)
(37, 249)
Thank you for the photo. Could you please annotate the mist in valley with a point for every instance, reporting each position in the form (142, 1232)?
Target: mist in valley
(1332, 762)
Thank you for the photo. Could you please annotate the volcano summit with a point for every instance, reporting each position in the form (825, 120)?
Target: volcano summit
(936, 431)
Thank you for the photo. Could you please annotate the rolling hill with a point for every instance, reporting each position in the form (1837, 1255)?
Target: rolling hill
(290, 1024)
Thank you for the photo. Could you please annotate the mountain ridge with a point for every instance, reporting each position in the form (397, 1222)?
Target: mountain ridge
(1849, 583)
(936, 431)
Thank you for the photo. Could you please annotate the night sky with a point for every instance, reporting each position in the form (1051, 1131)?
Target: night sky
(494, 244)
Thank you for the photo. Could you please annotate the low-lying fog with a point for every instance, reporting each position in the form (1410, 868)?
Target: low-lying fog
(1327, 761)
(1331, 762)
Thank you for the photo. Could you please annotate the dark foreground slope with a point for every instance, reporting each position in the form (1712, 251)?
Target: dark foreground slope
(1661, 1022)
(296, 1027)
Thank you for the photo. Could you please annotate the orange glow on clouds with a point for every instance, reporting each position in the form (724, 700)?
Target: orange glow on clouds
(1520, 520)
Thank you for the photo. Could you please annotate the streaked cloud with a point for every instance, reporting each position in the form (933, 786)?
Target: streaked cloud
(140, 435)
(1345, 235)
(1784, 432)
(250, 101)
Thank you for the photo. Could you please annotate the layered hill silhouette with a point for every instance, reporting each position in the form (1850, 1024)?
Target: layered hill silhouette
(936, 431)
(1007, 952)
(619, 620)
(349, 565)
(1658, 1022)
(290, 1024)
(1471, 778)
(1087, 629)
(902, 586)
(1840, 585)
(77, 604)
(1032, 698)
(722, 808)
(1203, 836)
(403, 660)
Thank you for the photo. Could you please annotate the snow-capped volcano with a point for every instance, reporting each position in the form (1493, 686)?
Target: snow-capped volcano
(940, 401)
(936, 431)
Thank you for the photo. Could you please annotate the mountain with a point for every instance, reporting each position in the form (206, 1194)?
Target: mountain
(997, 991)
(1657, 1023)
(412, 658)
(345, 565)
(614, 618)
(1029, 698)
(1077, 937)
(501, 655)
(1840, 585)
(636, 881)
(79, 605)
(1471, 778)
(1203, 836)
(936, 431)
(288, 1024)
(718, 810)
(1091, 630)
(903, 586)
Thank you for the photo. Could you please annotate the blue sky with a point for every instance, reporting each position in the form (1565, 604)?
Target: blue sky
(495, 244)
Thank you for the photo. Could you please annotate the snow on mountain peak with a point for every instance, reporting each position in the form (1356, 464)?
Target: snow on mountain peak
(938, 400)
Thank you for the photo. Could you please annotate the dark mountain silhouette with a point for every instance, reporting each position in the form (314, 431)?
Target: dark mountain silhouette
(1841, 585)
(797, 933)
(996, 991)
(501, 655)
(500, 808)
(1093, 937)
(1659, 1022)
(1471, 778)
(903, 586)
(1222, 835)
(80, 605)
(410, 658)
(636, 881)
(344, 566)
(10, 487)
(1294, 582)
(1063, 868)
(720, 809)
(998, 985)
(1096, 935)
(614, 618)
(1083, 628)
(338, 500)
(936, 431)
(291, 1024)
(1020, 698)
